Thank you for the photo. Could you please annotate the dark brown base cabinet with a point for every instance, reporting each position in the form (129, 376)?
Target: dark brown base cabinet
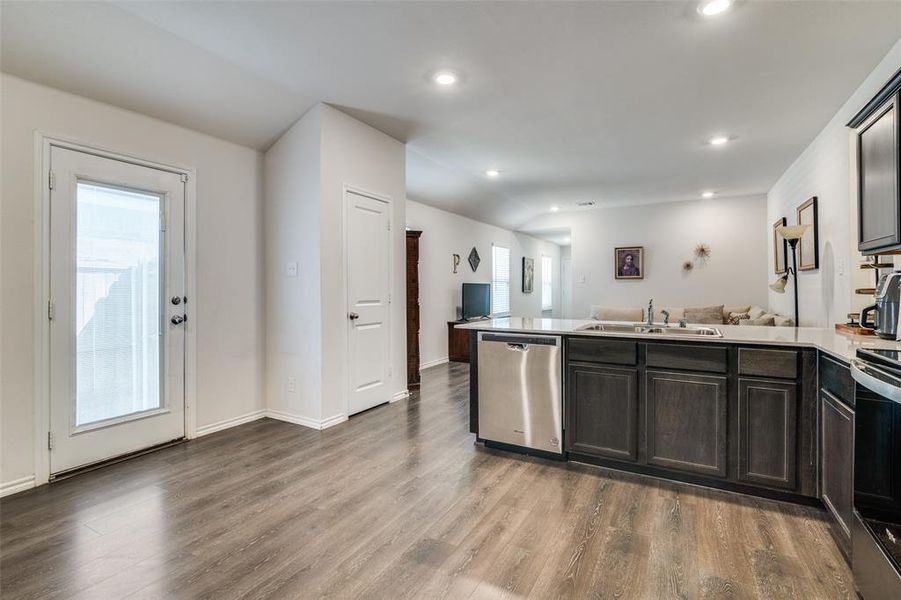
(837, 465)
(605, 420)
(686, 422)
(715, 414)
(768, 432)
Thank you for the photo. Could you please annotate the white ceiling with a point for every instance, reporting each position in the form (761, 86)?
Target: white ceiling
(608, 101)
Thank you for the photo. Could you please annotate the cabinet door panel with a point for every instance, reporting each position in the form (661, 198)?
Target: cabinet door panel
(877, 163)
(837, 460)
(767, 432)
(604, 411)
(686, 422)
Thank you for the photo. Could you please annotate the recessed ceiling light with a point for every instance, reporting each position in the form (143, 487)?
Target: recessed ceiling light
(555, 208)
(707, 195)
(714, 7)
(719, 140)
(445, 78)
(492, 173)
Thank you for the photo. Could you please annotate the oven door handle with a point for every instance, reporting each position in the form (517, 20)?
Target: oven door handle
(876, 380)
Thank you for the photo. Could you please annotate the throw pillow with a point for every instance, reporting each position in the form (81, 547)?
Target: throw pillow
(735, 317)
(728, 310)
(768, 320)
(756, 312)
(784, 321)
(704, 315)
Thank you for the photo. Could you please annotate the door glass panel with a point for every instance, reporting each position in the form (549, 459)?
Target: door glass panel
(117, 303)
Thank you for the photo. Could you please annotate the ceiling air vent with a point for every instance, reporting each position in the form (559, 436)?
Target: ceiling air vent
(586, 203)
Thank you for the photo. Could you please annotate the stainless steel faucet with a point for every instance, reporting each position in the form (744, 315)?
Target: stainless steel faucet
(650, 312)
(665, 314)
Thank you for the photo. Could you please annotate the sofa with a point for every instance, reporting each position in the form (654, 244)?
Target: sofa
(718, 314)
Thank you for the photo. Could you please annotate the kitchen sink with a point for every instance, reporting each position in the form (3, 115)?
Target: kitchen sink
(643, 329)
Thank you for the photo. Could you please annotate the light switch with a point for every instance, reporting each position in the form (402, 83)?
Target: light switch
(840, 266)
(291, 270)
(292, 384)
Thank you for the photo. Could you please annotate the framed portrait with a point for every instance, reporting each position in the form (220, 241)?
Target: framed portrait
(528, 274)
(809, 246)
(780, 248)
(628, 262)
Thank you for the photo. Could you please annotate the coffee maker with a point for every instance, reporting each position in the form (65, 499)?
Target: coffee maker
(888, 301)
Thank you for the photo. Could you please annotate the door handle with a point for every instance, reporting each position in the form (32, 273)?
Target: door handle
(353, 316)
(178, 319)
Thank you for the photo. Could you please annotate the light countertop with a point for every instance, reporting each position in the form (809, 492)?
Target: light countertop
(841, 346)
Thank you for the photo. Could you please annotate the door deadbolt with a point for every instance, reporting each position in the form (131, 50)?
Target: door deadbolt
(176, 300)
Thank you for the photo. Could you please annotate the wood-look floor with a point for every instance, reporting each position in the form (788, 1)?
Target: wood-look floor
(399, 503)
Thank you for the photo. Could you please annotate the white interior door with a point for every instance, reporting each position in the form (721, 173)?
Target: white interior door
(117, 300)
(566, 285)
(368, 248)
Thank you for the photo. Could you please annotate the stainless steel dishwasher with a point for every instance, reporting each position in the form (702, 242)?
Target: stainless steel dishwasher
(520, 391)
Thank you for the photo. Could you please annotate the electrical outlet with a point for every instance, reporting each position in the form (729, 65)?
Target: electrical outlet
(840, 266)
(291, 270)
(292, 384)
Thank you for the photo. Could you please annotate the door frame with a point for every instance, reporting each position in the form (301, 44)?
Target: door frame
(347, 188)
(43, 142)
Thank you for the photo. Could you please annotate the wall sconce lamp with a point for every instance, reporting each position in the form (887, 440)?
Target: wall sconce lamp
(792, 234)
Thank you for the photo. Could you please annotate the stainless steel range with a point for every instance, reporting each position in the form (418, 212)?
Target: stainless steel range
(876, 529)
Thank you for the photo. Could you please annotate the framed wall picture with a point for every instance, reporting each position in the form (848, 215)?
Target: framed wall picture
(628, 262)
(528, 274)
(809, 246)
(780, 248)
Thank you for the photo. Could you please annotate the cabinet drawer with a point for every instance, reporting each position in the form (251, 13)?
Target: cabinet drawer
(835, 378)
(688, 357)
(760, 362)
(615, 352)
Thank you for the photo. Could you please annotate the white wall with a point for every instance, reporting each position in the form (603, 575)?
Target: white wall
(356, 154)
(305, 175)
(825, 169)
(445, 234)
(229, 302)
(293, 304)
(734, 274)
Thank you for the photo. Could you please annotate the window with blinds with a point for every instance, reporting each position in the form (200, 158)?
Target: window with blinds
(547, 290)
(500, 281)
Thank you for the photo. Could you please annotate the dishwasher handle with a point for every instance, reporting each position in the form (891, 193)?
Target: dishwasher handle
(517, 347)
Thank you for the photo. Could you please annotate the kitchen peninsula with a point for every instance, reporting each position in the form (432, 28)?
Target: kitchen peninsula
(741, 408)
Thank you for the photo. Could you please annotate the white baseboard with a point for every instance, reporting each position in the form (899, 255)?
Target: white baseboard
(16, 486)
(432, 363)
(232, 422)
(305, 421)
(326, 423)
(400, 396)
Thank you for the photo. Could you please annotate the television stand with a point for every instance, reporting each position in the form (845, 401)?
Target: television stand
(457, 342)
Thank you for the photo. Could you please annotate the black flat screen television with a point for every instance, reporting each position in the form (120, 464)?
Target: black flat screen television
(476, 300)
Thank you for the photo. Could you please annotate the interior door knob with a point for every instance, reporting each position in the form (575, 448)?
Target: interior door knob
(177, 319)
(353, 316)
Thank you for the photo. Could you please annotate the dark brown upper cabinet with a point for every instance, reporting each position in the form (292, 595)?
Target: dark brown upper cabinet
(878, 130)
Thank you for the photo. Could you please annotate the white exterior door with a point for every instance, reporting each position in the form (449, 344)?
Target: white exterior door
(368, 247)
(117, 308)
